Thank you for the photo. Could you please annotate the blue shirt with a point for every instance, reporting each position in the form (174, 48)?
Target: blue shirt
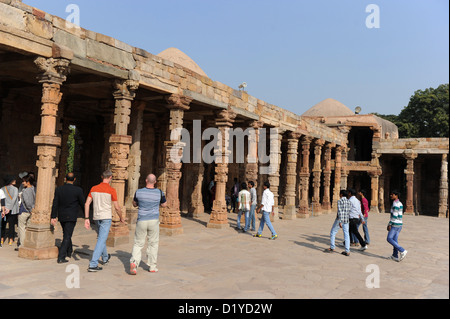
(148, 200)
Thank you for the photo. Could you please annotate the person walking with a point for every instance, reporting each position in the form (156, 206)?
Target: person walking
(267, 203)
(66, 203)
(356, 217)
(365, 211)
(11, 207)
(234, 195)
(148, 199)
(341, 221)
(2, 215)
(395, 227)
(253, 203)
(104, 198)
(27, 200)
(244, 200)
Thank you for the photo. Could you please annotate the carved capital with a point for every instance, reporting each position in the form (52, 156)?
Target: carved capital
(125, 89)
(52, 70)
(225, 117)
(178, 101)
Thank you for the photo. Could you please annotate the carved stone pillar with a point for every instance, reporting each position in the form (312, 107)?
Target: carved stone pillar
(337, 174)
(119, 150)
(374, 186)
(317, 173)
(134, 159)
(274, 174)
(443, 188)
(409, 172)
(39, 242)
(303, 211)
(219, 214)
(326, 200)
(196, 208)
(251, 166)
(289, 211)
(170, 215)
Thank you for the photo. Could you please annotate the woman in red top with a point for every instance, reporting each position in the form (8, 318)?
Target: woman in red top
(365, 211)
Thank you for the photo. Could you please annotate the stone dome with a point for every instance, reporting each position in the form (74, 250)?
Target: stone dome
(328, 107)
(177, 56)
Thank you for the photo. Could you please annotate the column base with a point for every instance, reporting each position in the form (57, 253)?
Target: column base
(289, 212)
(38, 253)
(303, 212)
(132, 214)
(218, 225)
(170, 231)
(118, 235)
(39, 243)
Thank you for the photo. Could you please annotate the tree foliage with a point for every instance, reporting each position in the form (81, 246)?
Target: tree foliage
(426, 114)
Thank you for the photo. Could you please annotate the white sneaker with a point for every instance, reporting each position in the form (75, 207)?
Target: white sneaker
(403, 255)
(364, 248)
(393, 258)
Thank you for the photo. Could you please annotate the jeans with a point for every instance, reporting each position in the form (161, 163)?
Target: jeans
(265, 219)
(252, 219)
(66, 248)
(366, 231)
(1, 226)
(334, 231)
(246, 215)
(100, 248)
(392, 239)
(149, 228)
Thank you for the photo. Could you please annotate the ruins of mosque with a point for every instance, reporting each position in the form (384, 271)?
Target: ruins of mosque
(125, 102)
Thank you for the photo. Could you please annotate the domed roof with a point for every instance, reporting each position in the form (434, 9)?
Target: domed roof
(328, 107)
(179, 57)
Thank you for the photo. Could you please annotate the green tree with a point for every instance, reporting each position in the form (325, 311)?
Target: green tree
(426, 115)
(71, 146)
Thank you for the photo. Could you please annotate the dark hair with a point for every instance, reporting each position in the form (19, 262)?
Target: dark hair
(395, 192)
(29, 179)
(267, 184)
(243, 185)
(252, 183)
(364, 192)
(343, 192)
(351, 191)
(70, 177)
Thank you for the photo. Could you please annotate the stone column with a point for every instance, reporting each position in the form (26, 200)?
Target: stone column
(39, 242)
(374, 186)
(289, 211)
(251, 166)
(219, 214)
(409, 172)
(303, 211)
(134, 159)
(317, 173)
(119, 150)
(196, 208)
(326, 200)
(274, 170)
(443, 188)
(337, 174)
(170, 215)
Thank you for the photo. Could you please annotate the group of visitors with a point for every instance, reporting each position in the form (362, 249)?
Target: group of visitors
(16, 204)
(352, 212)
(245, 199)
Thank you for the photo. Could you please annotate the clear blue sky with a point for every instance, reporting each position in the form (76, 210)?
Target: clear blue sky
(291, 53)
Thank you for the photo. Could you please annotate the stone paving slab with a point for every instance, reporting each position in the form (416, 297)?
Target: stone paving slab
(205, 263)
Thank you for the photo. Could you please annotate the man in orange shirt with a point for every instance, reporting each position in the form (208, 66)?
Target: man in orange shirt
(103, 197)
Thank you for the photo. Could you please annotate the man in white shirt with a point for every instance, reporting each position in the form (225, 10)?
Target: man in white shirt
(244, 206)
(267, 204)
(356, 217)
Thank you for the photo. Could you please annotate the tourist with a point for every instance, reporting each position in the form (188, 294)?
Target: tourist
(2, 215)
(267, 205)
(395, 227)
(104, 198)
(27, 200)
(253, 200)
(244, 200)
(356, 217)
(66, 203)
(341, 221)
(234, 195)
(365, 210)
(11, 207)
(148, 199)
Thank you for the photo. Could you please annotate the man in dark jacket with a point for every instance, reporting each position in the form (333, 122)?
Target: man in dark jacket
(66, 204)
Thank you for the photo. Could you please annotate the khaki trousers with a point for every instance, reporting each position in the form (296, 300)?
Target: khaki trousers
(149, 229)
(21, 226)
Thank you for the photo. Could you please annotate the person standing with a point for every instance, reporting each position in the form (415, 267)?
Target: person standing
(104, 198)
(253, 203)
(395, 226)
(11, 207)
(244, 200)
(27, 201)
(2, 215)
(66, 203)
(342, 221)
(267, 203)
(148, 199)
(365, 210)
(356, 217)
(234, 195)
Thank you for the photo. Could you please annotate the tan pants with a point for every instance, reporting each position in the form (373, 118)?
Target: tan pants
(150, 229)
(21, 226)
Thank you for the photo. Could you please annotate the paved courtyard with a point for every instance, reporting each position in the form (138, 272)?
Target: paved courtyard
(207, 263)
